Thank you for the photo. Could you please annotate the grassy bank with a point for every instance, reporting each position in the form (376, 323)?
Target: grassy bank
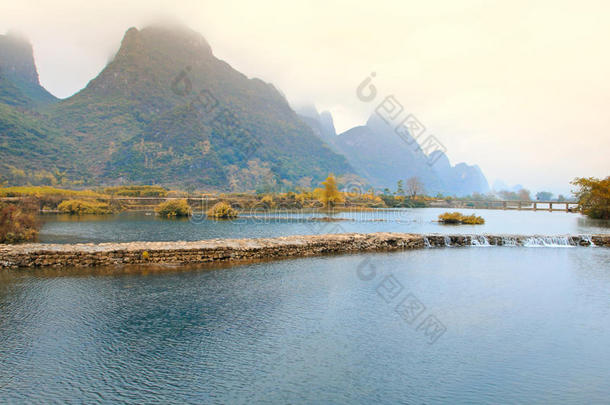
(148, 198)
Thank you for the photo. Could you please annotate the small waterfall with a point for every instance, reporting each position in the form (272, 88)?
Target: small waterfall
(479, 240)
(509, 241)
(548, 241)
(588, 239)
(427, 242)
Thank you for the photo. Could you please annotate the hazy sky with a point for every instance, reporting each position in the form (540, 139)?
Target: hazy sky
(520, 88)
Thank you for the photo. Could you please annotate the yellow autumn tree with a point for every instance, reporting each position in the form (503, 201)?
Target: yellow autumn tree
(330, 194)
(593, 196)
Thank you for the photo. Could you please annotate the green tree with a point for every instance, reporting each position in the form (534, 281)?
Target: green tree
(544, 196)
(400, 188)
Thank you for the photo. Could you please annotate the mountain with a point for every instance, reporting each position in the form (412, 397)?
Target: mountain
(321, 123)
(165, 110)
(382, 157)
(461, 179)
(19, 84)
(29, 141)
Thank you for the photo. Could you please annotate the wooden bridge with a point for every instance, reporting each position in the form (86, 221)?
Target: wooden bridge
(566, 206)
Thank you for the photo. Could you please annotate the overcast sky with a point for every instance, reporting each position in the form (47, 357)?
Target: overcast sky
(520, 88)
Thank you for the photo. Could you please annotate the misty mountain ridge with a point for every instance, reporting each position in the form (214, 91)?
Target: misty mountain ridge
(383, 158)
(19, 84)
(166, 111)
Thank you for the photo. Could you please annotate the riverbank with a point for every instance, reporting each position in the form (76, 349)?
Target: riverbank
(147, 198)
(227, 250)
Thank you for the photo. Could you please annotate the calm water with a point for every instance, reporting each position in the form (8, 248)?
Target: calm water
(521, 325)
(141, 227)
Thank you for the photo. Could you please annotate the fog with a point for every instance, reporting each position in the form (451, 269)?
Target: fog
(519, 88)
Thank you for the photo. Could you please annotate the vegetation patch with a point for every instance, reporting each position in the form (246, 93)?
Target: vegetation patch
(136, 191)
(329, 195)
(222, 210)
(84, 207)
(593, 196)
(174, 208)
(458, 218)
(41, 191)
(18, 222)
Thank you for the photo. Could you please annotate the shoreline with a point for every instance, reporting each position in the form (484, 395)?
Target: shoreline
(35, 255)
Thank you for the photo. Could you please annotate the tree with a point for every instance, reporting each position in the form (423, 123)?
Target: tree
(330, 194)
(561, 198)
(593, 196)
(399, 188)
(544, 196)
(508, 195)
(414, 187)
(524, 195)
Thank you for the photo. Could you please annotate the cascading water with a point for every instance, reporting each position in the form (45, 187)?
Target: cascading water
(588, 239)
(479, 240)
(509, 241)
(548, 241)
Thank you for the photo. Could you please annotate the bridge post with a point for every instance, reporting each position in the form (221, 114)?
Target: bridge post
(519, 207)
(504, 205)
(567, 208)
(535, 206)
(551, 206)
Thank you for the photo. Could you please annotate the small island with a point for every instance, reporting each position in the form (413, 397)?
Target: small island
(455, 218)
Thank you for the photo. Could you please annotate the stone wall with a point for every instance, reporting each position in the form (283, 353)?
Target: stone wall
(219, 250)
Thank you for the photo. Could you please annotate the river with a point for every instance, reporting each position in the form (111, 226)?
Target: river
(443, 325)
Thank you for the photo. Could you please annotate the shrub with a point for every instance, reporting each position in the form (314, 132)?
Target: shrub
(222, 210)
(457, 218)
(83, 207)
(174, 208)
(267, 200)
(450, 218)
(18, 222)
(117, 205)
(472, 220)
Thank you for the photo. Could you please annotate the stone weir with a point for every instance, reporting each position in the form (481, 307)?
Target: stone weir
(219, 250)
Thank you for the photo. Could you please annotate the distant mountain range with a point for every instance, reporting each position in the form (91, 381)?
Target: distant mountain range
(166, 111)
(383, 158)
